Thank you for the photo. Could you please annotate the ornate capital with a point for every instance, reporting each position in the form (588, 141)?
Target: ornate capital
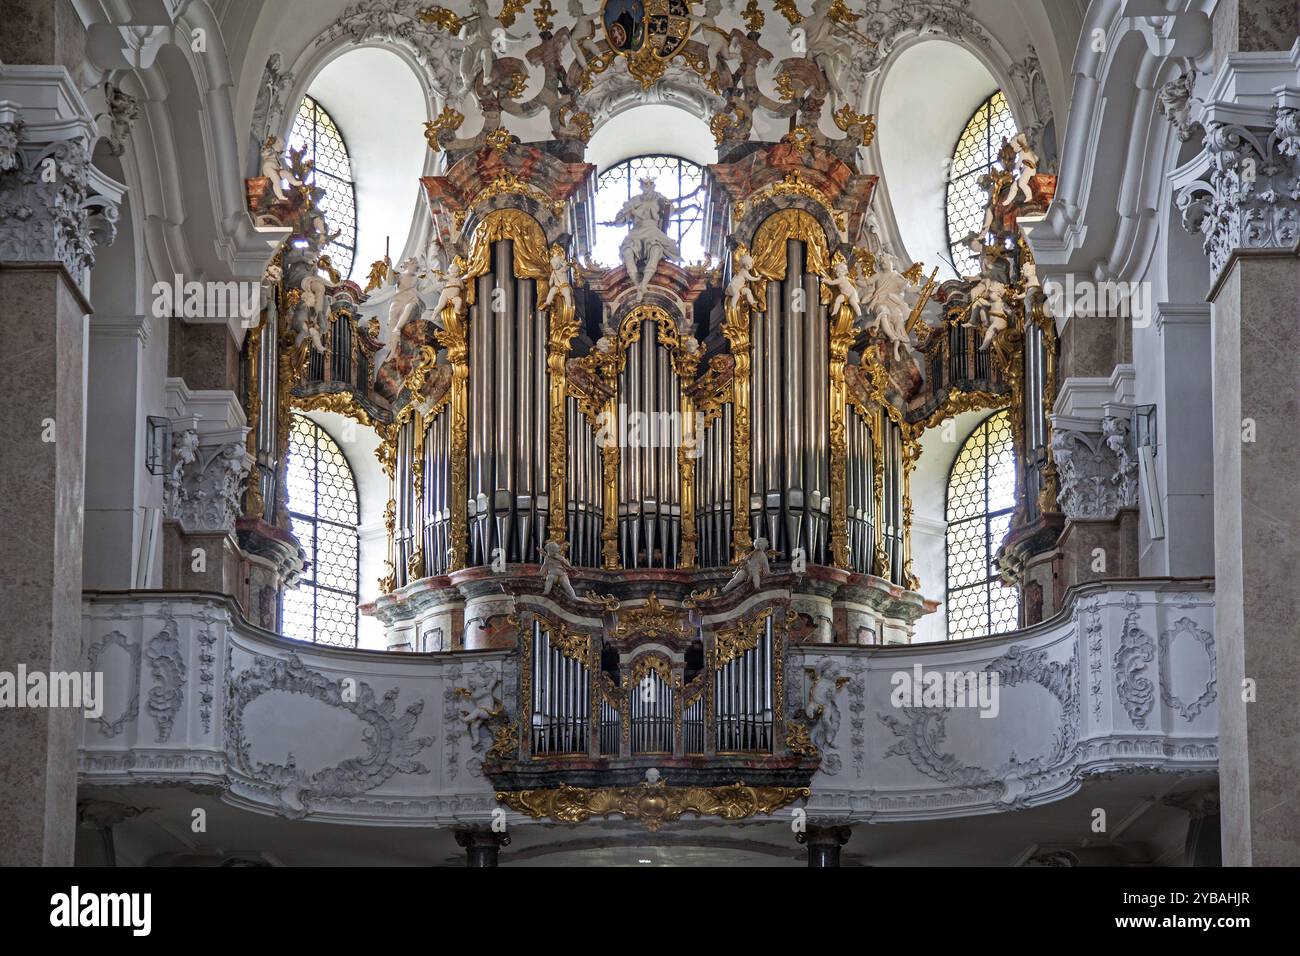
(1097, 472)
(204, 487)
(1250, 198)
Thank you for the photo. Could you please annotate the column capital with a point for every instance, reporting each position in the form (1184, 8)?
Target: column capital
(55, 206)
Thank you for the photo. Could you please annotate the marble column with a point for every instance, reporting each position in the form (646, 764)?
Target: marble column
(1246, 211)
(45, 257)
(824, 843)
(482, 847)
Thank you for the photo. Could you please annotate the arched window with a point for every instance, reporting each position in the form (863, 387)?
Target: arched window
(314, 128)
(676, 179)
(323, 505)
(976, 150)
(981, 498)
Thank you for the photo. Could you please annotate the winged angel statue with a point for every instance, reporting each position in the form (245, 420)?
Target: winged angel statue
(418, 289)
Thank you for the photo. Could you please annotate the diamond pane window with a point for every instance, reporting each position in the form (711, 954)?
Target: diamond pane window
(981, 499)
(323, 505)
(314, 129)
(677, 179)
(977, 149)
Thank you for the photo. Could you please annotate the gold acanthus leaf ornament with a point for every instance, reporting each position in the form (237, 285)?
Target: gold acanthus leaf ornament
(651, 805)
(448, 120)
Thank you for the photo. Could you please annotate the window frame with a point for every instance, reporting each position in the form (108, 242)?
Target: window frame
(991, 150)
(318, 110)
(987, 517)
(309, 578)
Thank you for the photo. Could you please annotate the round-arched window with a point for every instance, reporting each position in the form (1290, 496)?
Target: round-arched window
(675, 178)
(973, 156)
(981, 499)
(316, 130)
(324, 508)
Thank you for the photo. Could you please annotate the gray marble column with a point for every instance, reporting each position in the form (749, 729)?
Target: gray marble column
(1247, 211)
(50, 226)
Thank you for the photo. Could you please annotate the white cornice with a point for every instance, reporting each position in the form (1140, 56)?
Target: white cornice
(1250, 86)
(1083, 402)
(214, 413)
(120, 326)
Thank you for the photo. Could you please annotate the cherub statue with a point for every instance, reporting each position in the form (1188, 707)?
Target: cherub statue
(742, 276)
(582, 36)
(1028, 160)
(275, 169)
(451, 291)
(270, 282)
(556, 568)
(480, 706)
(312, 310)
(823, 706)
(719, 44)
(753, 569)
(558, 282)
(846, 292)
(885, 292)
(989, 295)
(830, 44)
(483, 36)
(646, 241)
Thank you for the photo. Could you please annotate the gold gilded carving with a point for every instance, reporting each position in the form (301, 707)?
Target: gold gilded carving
(652, 805)
(753, 16)
(499, 139)
(861, 126)
(442, 18)
(574, 646)
(448, 121)
(799, 742)
(653, 619)
(736, 329)
(778, 229)
(792, 185)
(559, 339)
(843, 332)
(732, 642)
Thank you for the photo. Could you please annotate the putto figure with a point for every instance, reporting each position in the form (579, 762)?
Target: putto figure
(1028, 160)
(646, 242)
(555, 569)
(846, 293)
(753, 569)
(559, 283)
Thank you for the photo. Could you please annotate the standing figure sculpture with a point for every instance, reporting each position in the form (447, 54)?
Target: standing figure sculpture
(646, 242)
(742, 278)
(276, 169)
(885, 292)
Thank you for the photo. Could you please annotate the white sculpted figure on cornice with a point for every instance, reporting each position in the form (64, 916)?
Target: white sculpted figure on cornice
(555, 571)
(646, 243)
(885, 295)
(276, 169)
(753, 569)
(846, 291)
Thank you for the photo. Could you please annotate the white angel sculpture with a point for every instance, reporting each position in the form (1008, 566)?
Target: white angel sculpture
(846, 292)
(417, 292)
(739, 286)
(275, 169)
(313, 308)
(989, 295)
(753, 569)
(885, 292)
(1028, 169)
(559, 284)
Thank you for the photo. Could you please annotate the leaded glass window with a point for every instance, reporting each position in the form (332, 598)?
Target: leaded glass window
(323, 506)
(976, 151)
(314, 128)
(675, 178)
(981, 499)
